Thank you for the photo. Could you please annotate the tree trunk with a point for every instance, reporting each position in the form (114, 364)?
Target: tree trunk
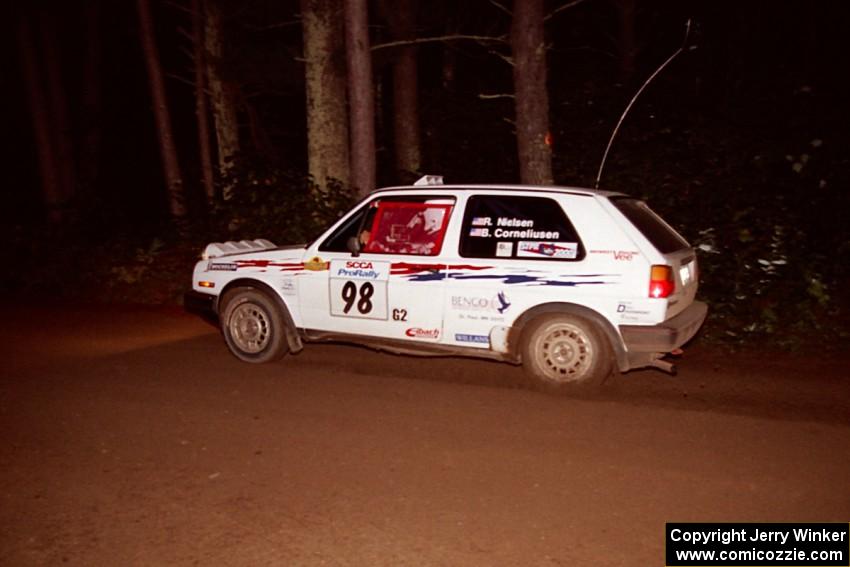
(40, 122)
(362, 102)
(408, 153)
(170, 166)
(92, 99)
(201, 110)
(325, 78)
(221, 94)
(58, 104)
(532, 99)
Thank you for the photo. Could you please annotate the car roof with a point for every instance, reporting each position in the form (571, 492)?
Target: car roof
(503, 187)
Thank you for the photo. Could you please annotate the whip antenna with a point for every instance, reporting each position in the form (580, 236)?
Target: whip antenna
(637, 94)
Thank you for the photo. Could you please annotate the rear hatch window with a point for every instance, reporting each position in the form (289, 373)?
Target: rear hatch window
(660, 235)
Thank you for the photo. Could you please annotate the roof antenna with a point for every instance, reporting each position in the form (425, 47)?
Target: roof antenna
(637, 94)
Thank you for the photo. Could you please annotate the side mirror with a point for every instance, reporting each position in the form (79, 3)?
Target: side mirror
(353, 245)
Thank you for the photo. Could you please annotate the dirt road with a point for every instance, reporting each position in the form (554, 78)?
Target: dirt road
(131, 437)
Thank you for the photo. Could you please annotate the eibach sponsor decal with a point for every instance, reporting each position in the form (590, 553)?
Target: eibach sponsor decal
(419, 333)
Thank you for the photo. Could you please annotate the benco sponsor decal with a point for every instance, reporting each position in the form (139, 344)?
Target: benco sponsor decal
(222, 267)
(464, 338)
(498, 304)
(418, 333)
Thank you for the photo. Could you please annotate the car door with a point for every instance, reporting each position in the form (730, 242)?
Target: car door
(394, 287)
(515, 251)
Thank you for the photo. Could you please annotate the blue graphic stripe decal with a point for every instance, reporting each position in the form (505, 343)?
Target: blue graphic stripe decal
(522, 279)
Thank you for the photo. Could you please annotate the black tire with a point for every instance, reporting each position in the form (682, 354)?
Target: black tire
(253, 326)
(564, 353)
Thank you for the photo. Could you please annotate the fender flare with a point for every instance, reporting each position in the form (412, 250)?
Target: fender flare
(293, 338)
(608, 330)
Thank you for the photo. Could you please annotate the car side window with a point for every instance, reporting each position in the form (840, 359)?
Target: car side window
(407, 227)
(503, 226)
(338, 241)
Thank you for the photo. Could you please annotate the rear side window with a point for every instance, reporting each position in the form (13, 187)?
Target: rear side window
(661, 236)
(518, 227)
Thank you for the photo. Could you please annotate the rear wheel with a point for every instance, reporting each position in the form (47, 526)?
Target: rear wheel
(564, 352)
(253, 327)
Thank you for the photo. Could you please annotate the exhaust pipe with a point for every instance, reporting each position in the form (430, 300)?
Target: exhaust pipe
(663, 365)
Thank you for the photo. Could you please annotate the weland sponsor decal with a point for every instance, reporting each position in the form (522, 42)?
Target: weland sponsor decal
(222, 267)
(620, 255)
(566, 250)
(495, 304)
(465, 338)
(360, 270)
(419, 333)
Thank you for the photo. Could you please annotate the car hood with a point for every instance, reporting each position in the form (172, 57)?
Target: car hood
(233, 248)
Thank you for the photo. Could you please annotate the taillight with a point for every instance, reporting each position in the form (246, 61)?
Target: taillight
(661, 281)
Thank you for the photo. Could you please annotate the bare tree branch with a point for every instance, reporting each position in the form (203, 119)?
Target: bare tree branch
(178, 6)
(481, 38)
(501, 7)
(187, 52)
(506, 58)
(180, 79)
(185, 33)
(567, 6)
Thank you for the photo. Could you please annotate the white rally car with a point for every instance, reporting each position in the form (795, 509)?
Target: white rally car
(572, 283)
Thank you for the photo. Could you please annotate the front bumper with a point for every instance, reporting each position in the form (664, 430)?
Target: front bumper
(666, 336)
(202, 304)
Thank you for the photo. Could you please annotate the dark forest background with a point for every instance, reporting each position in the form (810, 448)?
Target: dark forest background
(741, 142)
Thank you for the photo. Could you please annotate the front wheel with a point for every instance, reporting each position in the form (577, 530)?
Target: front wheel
(253, 327)
(564, 352)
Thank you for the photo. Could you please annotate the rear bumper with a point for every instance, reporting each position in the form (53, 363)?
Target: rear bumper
(667, 336)
(202, 304)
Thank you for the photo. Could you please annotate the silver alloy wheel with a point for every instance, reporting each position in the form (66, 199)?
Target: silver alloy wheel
(250, 328)
(566, 352)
